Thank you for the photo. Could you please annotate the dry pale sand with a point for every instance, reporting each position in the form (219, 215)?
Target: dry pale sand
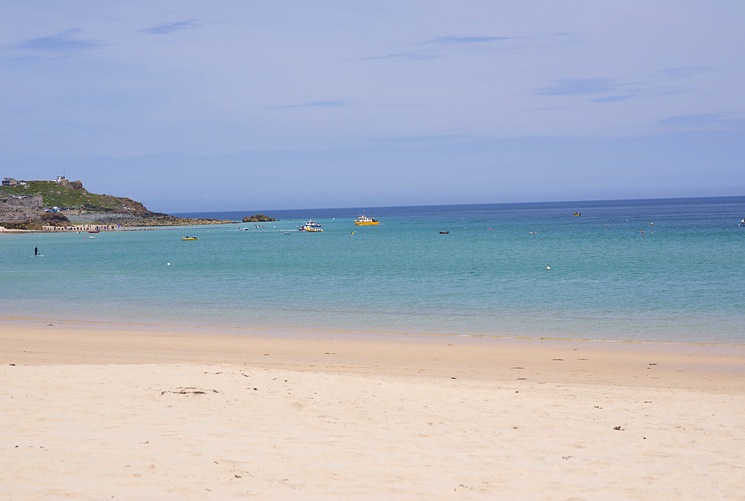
(93, 412)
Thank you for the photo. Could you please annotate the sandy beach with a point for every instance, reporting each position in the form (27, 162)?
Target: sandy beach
(126, 412)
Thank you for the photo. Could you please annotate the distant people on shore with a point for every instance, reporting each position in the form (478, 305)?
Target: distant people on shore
(84, 227)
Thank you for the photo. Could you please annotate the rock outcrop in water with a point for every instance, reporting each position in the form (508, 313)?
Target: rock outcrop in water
(258, 218)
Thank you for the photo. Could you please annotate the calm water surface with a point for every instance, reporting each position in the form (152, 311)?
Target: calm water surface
(660, 270)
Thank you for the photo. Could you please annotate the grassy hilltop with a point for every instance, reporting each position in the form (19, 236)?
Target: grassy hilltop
(77, 204)
(72, 195)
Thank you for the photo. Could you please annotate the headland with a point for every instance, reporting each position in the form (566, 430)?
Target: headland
(64, 205)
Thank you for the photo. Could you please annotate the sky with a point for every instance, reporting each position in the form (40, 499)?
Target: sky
(189, 106)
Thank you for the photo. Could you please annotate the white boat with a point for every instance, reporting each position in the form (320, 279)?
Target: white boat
(311, 226)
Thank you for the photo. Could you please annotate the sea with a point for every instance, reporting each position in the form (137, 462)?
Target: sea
(664, 270)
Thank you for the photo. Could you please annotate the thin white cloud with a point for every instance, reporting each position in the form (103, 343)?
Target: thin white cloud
(439, 139)
(611, 99)
(685, 71)
(324, 103)
(704, 121)
(607, 90)
(68, 41)
(463, 40)
(428, 49)
(164, 29)
(401, 56)
(579, 87)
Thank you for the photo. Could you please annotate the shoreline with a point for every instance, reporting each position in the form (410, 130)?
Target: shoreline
(80, 227)
(113, 411)
(73, 342)
(295, 332)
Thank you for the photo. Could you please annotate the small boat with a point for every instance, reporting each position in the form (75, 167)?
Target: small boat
(365, 221)
(189, 238)
(94, 231)
(742, 223)
(311, 226)
(444, 232)
(577, 214)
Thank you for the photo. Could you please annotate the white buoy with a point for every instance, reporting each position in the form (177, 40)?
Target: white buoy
(168, 264)
(548, 268)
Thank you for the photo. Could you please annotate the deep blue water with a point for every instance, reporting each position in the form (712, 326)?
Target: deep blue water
(662, 270)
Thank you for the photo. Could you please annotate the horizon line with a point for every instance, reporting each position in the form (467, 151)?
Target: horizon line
(357, 208)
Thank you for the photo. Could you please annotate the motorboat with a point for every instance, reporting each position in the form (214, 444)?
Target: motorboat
(311, 226)
(365, 221)
(189, 238)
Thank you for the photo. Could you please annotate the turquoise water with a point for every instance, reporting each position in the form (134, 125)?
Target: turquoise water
(658, 270)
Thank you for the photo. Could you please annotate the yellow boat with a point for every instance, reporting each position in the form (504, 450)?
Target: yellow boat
(311, 227)
(189, 238)
(365, 221)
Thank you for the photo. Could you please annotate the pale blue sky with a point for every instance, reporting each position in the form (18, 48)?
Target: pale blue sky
(189, 105)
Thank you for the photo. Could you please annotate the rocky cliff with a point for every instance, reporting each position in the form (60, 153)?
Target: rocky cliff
(31, 204)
